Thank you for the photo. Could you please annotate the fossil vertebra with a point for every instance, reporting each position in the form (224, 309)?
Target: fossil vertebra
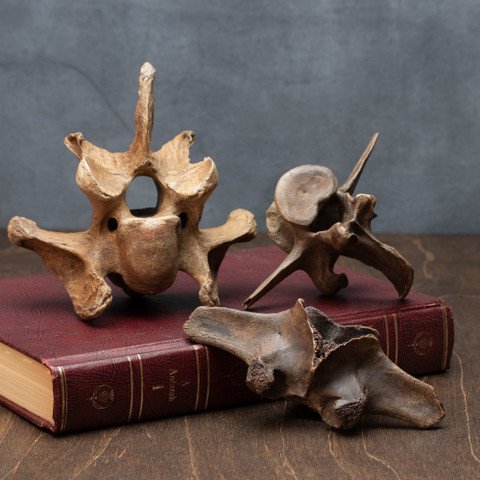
(142, 250)
(338, 371)
(316, 221)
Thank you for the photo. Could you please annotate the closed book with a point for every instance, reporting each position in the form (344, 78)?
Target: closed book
(134, 363)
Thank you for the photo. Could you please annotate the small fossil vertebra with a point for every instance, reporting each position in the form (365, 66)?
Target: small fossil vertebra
(316, 221)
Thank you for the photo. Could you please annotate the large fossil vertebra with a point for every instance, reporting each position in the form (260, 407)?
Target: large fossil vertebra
(141, 250)
(340, 372)
(316, 221)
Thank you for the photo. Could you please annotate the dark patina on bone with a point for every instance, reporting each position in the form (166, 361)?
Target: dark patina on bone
(315, 221)
(338, 371)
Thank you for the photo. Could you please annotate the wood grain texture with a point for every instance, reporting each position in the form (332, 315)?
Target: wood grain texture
(280, 440)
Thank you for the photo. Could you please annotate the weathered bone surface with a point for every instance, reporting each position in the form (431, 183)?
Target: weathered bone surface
(139, 250)
(339, 372)
(316, 221)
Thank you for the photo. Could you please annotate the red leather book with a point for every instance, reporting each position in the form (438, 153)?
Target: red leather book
(134, 363)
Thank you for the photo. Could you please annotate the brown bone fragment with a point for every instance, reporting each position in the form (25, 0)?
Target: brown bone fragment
(140, 250)
(316, 221)
(338, 371)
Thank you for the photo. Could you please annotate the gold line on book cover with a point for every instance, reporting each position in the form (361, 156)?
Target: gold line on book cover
(395, 324)
(208, 378)
(131, 388)
(387, 336)
(141, 386)
(445, 338)
(63, 385)
(197, 365)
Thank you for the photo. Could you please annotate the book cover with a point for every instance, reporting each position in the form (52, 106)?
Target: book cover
(134, 363)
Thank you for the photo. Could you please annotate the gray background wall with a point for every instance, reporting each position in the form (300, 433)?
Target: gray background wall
(266, 85)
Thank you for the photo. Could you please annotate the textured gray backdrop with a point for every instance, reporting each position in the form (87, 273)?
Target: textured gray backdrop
(266, 85)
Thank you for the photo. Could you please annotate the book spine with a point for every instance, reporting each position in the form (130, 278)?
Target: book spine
(144, 386)
(419, 341)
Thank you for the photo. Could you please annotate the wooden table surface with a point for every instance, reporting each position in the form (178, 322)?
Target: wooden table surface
(279, 440)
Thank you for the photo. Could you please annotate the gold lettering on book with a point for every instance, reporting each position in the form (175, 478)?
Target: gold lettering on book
(103, 396)
(173, 383)
(172, 375)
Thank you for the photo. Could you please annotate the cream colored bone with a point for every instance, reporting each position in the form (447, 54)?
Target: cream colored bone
(141, 251)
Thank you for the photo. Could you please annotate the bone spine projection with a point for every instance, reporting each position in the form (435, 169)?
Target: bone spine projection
(316, 221)
(339, 372)
(140, 250)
